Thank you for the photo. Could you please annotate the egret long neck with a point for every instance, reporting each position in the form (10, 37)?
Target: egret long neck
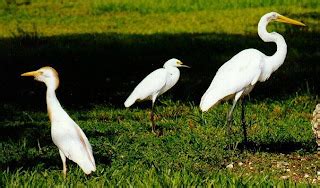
(277, 59)
(53, 105)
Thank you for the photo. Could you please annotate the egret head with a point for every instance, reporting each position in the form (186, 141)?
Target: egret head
(274, 16)
(48, 75)
(174, 63)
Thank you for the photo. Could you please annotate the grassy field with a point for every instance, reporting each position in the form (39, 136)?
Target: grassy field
(102, 49)
(193, 150)
(55, 17)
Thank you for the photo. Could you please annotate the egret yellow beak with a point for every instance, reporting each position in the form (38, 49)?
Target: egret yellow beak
(284, 19)
(185, 66)
(181, 64)
(32, 73)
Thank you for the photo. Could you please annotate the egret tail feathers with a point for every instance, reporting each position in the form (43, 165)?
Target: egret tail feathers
(205, 106)
(130, 101)
(87, 166)
(87, 162)
(208, 100)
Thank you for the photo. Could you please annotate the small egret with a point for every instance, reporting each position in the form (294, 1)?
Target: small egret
(155, 84)
(66, 134)
(237, 77)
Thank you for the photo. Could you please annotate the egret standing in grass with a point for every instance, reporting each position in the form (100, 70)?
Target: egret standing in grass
(237, 77)
(66, 134)
(155, 84)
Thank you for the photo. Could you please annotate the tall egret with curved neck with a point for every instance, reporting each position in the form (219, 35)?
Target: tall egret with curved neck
(155, 84)
(237, 77)
(66, 134)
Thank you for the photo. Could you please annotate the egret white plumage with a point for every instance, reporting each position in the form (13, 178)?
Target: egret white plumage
(66, 134)
(155, 84)
(237, 77)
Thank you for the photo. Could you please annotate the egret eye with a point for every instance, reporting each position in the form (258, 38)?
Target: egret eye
(45, 75)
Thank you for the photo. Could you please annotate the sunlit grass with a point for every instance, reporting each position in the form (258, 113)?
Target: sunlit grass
(49, 18)
(193, 150)
(151, 177)
(164, 6)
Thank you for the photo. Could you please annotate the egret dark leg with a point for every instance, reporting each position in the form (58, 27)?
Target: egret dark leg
(152, 119)
(243, 122)
(230, 117)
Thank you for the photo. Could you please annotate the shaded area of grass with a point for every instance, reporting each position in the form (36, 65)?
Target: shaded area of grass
(104, 68)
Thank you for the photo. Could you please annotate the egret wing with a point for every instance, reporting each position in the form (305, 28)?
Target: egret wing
(71, 140)
(150, 85)
(240, 72)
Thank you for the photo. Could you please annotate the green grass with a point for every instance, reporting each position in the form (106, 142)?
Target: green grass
(101, 49)
(49, 18)
(193, 150)
(165, 6)
(152, 177)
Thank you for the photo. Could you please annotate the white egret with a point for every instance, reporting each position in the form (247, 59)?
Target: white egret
(66, 134)
(237, 77)
(155, 84)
